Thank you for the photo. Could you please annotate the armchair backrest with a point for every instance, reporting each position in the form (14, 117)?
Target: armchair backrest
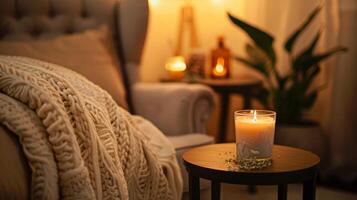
(28, 19)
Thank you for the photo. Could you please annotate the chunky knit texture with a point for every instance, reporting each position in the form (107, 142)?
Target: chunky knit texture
(78, 142)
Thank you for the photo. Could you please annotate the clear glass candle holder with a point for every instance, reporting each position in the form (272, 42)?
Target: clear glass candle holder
(255, 131)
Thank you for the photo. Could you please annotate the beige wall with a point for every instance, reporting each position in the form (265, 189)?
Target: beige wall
(211, 21)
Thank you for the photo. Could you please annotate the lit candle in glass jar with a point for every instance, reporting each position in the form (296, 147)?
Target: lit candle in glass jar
(176, 67)
(254, 137)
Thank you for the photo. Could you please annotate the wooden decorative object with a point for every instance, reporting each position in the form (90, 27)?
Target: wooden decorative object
(186, 23)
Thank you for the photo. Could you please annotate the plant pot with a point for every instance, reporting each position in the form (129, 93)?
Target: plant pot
(309, 137)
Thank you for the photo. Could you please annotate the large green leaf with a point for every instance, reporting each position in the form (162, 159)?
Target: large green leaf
(287, 104)
(282, 82)
(289, 44)
(258, 55)
(260, 38)
(256, 66)
(307, 61)
(307, 52)
(309, 77)
(310, 99)
(310, 49)
(312, 72)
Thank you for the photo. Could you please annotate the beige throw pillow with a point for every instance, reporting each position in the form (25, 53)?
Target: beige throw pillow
(90, 53)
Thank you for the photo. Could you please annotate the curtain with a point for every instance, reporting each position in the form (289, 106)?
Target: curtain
(343, 120)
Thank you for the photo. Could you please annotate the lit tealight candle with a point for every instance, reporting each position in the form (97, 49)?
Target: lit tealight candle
(254, 137)
(219, 71)
(176, 67)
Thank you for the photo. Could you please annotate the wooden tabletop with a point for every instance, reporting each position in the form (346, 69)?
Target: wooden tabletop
(289, 164)
(243, 81)
(238, 81)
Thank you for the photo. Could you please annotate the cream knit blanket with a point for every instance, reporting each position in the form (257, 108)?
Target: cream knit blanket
(78, 142)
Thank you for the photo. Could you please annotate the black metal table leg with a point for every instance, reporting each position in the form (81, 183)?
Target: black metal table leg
(215, 190)
(252, 189)
(194, 187)
(309, 189)
(282, 192)
(247, 101)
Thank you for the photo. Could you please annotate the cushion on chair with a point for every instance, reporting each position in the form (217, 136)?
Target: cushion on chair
(188, 141)
(90, 53)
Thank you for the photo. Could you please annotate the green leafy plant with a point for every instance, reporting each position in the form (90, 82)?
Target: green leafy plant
(290, 95)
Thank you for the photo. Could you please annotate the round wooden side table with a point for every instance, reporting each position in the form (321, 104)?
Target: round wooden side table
(290, 165)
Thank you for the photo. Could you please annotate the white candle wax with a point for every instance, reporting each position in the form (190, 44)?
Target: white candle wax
(254, 136)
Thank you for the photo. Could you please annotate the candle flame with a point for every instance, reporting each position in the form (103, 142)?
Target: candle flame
(219, 69)
(176, 63)
(255, 116)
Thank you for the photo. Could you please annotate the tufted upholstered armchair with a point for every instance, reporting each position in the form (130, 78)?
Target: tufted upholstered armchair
(179, 110)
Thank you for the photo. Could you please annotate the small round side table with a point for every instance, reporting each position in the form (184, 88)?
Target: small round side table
(290, 165)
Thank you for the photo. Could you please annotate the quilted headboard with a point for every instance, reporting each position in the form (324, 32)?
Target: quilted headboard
(32, 19)
(26, 19)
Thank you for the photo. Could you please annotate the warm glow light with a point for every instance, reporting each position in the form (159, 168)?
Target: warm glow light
(220, 70)
(216, 2)
(176, 63)
(176, 67)
(154, 2)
